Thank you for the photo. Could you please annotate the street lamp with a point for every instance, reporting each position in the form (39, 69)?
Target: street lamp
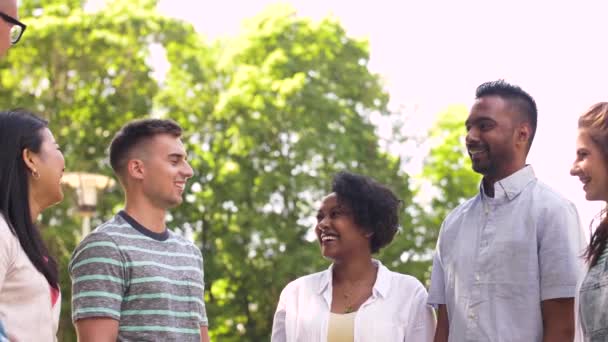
(86, 186)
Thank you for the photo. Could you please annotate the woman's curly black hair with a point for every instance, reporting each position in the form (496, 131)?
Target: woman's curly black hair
(375, 208)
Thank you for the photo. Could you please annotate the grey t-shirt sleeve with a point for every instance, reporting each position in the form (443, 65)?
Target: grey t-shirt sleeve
(97, 270)
(559, 252)
(204, 321)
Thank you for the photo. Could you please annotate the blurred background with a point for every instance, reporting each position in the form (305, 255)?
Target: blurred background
(277, 97)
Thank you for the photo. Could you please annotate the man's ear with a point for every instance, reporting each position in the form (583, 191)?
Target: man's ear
(136, 168)
(524, 133)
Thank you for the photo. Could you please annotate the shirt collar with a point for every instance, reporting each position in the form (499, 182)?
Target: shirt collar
(511, 186)
(140, 228)
(381, 286)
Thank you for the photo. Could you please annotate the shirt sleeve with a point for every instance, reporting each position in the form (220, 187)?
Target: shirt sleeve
(437, 289)
(279, 331)
(559, 251)
(98, 277)
(7, 250)
(204, 321)
(422, 324)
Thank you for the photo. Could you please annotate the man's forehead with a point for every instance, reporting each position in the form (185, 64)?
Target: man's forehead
(489, 106)
(164, 145)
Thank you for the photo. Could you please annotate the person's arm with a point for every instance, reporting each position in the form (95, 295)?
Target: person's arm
(98, 278)
(204, 320)
(443, 325)
(437, 293)
(97, 330)
(204, 333)
(9, 247)
(422, 320)
(560, 267)
(558, 320)
(279, 329)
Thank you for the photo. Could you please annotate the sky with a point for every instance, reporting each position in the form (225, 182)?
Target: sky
(432, 54)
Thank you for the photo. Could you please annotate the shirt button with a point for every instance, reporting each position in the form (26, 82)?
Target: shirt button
(471, 315)
(477, 277)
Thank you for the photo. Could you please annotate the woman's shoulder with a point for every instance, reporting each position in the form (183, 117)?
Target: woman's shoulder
(5, 231)
(8, 241)
(405, 281)
(309, 281)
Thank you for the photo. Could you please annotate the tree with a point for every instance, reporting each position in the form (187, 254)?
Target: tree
(291, 107)
(447, 169)
(269, 117)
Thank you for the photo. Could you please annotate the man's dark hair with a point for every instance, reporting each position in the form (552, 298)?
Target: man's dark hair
(375, 207)
(135, 133)
(519, 100)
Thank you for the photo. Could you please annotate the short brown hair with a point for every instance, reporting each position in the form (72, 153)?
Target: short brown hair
(134, 133)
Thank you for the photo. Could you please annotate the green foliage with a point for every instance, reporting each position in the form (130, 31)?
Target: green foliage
(269, 117)
(447, 168)
(287, 109)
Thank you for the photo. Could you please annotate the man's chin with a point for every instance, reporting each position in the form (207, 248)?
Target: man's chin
(481, 168)
(174, 202)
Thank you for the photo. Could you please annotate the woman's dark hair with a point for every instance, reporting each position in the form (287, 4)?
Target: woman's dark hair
(594, 122)
(20, 130)
(375, 207)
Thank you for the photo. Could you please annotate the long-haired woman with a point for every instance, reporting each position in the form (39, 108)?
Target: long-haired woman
(591, 166)
(31, 166)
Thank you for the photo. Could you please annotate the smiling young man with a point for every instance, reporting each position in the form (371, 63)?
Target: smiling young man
(132, 278)
(507, 260)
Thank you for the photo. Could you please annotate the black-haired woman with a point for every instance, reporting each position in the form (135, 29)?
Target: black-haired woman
(31, 166)
(357, 298)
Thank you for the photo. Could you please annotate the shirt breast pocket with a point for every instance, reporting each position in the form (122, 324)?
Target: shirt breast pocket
(514, 262)
(593, 302)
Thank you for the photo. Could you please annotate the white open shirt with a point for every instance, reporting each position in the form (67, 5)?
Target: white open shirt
(396, 311)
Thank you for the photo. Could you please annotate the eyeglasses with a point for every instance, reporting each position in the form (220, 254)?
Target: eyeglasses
(16, 30)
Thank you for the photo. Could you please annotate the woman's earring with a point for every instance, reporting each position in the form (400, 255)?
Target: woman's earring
(35, 174)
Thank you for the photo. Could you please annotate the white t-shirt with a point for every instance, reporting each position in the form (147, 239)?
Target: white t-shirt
(25, 296)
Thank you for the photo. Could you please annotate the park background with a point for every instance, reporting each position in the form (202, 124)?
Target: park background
(275, 98)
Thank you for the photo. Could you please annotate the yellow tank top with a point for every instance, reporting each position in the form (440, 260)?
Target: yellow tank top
(341, 327)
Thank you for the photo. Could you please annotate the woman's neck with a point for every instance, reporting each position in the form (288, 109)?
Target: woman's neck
(354, 270)
(35, 209)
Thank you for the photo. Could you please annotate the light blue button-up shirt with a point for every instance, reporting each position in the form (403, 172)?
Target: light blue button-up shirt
(498, 258)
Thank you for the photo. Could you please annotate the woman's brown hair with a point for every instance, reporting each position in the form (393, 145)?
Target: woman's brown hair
(594, 122)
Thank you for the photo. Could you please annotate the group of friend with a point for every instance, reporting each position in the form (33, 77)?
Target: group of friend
(511, 263)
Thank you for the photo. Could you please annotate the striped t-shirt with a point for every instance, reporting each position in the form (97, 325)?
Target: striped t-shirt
(151, 283)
